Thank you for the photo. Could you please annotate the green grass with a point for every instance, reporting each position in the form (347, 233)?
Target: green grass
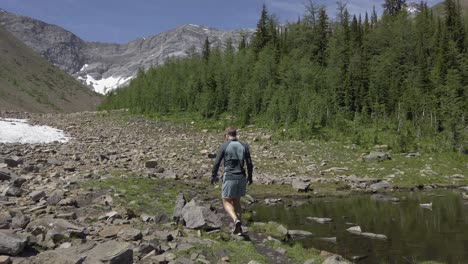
(240, 251)
(143, 195)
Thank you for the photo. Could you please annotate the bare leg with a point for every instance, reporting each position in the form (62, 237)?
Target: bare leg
(238, 208)
(230, 209)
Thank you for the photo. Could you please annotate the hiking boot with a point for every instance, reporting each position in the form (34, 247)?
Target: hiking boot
(237, 228)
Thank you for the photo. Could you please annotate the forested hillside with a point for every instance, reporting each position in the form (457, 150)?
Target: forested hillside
(395, 79)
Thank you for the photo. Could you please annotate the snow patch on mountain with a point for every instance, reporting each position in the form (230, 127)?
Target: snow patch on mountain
(104, 85)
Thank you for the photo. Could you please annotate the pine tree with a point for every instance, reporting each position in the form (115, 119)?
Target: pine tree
(393, 7)
(206, 50)
(262, 36)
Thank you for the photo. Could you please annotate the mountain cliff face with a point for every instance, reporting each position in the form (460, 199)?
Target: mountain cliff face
(105, 66)
(29, 83)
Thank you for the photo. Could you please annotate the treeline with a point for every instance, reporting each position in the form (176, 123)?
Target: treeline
(401, 75)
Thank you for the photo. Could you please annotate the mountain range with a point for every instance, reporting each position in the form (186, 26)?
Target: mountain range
(29, 83)
(106, 66)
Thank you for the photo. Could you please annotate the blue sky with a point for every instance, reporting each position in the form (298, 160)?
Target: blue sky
(123, 20)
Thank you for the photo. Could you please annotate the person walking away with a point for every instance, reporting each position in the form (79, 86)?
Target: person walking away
(235, 155)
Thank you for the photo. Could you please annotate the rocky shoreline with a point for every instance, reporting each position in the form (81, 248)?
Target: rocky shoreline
(53, 210)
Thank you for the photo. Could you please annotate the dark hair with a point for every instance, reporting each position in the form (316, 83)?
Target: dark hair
(230, 131)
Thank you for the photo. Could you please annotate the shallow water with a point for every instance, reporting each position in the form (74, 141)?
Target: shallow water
(414, 233)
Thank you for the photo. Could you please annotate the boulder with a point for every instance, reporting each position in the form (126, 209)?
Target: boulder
(111, 252)
(5, 260)
(55, 197)
(320, 220)
(380, 185)
(335, 259)
(355, 230)
(55, 228)
(377, 156)
(11, 243)
(200, 217)
(37, 195)
(12, 191)
(297, 234)
(6, 175)
(300, 186)
(130, 234)
(179, 206)
(73, 255)
(151, 164)
(11, 162)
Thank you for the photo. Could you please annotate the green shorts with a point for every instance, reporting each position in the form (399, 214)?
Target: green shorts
(234, 188)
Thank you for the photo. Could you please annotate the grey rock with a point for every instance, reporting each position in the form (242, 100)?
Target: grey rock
(37, 195)
(6, 175)
(355, 230)
(12, 191)
(296, 234)
(150, 164)
(179, 206)
(377, 156)
(5, 259)
(11, 243)
(380, 185)
(76, 254)
(55, 197)
(54, 162)
(11, 162)
(300, 186)
(200, 217)
(335, 259)
(130, 234)
(374, 236)
(20, 220)
(58, 227)
(282, 230)
(320, 220)
(111, 252)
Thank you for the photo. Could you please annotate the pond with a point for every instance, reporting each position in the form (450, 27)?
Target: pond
(414, 233)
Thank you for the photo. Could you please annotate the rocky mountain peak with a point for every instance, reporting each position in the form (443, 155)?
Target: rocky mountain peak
(106, 66)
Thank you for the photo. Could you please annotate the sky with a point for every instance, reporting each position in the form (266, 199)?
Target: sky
(121, 21)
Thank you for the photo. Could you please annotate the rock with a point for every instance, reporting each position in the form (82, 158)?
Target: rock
(130, 234)
(377, 156)
(69, 166)
(151, 164)
(355, 230)
(5, 260)
(380, 185)
(147, 218)
(54, 162)
(282, 230)
(464, 196)
(200, 217)
(296, 234)
(320, 220)
(384, 198)
(6, 175)
(60, 227)
(179, 206)
(76, 254)
(282, 251)
(37, 195)
(11, 162)
(55, 197)
(19, 220)
(67, 216)
(300, 186)
(12, 191)
(374, 236)
(11, 243)
(111, 252)
(329, 239)
(110, 231)
(335, 259)
(253, 262)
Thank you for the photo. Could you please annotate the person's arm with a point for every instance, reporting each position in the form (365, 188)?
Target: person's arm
(248, 160)
(217, 163)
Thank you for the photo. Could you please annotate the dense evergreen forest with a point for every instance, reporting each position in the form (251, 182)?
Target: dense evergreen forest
(400, 78)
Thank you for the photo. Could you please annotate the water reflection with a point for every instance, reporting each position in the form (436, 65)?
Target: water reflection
(414, 233)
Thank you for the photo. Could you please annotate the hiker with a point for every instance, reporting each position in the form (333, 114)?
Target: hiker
(235, 155)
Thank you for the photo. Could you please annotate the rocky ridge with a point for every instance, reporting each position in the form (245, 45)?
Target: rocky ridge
(106, 66)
